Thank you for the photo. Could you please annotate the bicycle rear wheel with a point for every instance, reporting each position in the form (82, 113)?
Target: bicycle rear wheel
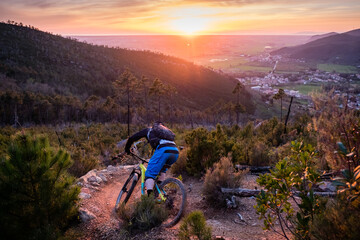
(127, 190)
(175, 202)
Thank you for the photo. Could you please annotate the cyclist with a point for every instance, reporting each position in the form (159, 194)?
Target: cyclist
(161, 140)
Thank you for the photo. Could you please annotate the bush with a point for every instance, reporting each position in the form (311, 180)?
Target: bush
(294, 175)
(179, 166)
(206, 148)
(83, 163)
(223, 175)
(142, 215)
(37, 197)
(202, 153)
(259, 154)
(194, 225)
(340, 220)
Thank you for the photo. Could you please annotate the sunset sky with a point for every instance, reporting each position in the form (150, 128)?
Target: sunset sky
(71, 17)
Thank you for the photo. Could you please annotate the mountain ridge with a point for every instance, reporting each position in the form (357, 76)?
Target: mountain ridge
(341, 48)
(43, 73)
(68, 67)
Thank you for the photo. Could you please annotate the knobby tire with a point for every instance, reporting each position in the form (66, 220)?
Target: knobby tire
(174, 218)
(133, 179)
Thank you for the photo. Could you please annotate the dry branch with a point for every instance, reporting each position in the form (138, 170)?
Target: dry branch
(243, 192)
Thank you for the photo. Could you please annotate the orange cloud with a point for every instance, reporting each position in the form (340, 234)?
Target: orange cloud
(184, 16)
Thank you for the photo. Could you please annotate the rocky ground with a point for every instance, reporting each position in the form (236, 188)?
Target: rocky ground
(99, 221)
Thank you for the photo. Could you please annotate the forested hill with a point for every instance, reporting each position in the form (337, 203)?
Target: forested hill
(35, 61)
(337, 48)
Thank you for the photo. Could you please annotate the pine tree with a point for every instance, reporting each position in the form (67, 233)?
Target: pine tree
(157, 90)
(127, 80)
(37, 196)
(238, 107)
(144, 84)
(281, 93)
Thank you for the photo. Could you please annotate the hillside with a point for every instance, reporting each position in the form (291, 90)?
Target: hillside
(316, 37)
(341, 49)
(48, 64)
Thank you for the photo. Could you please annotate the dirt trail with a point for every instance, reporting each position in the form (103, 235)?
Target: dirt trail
(224, 222)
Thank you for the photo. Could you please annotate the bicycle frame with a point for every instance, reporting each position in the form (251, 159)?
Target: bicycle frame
(142, 173)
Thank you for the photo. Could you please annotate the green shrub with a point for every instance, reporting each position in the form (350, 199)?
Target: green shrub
(205, 148)
(202, 153)
(194, 225)
(37, 197)
(223, 175)
(143, 214)
(340, 220)
(83, 163)
(294, 175)
(259, 154)
(179, 166)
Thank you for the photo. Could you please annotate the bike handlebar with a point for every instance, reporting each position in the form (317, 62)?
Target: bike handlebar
(132, 154)
(140, 158)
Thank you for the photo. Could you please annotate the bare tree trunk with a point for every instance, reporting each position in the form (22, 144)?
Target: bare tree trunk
(280, 109)
(159, 108)
(146, 108)
(288, 114)
(191, 120)
(128, 103)
(237, 108)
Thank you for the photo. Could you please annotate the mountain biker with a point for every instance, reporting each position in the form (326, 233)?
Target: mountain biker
(161, 140)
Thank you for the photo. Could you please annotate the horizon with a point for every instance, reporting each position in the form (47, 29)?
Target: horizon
(184, 17)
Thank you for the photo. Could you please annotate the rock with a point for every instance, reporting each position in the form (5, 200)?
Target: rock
(93, 186)
(80, 184)
(111, 168)
(85, 215)
(83, 195)
(129, 166)
(94, 179)
(327, 187)
(84, 178)
(103, 177)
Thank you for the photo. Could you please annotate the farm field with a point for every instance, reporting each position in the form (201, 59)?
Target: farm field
(337, 68)
(304, 89)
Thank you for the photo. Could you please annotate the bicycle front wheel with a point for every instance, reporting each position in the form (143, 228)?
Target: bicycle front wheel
(175, 202)
(127, 190)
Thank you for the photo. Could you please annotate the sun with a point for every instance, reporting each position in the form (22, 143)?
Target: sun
(189, 20)
(189, 25)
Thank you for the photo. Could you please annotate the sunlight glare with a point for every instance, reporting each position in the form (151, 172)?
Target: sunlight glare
(190, 20)
(189, 25)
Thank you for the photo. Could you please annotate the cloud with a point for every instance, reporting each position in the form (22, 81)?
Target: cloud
(153, 15)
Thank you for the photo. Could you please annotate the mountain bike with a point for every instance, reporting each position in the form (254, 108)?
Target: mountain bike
(171, 192)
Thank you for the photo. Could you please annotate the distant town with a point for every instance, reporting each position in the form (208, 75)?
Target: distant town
(269, 85)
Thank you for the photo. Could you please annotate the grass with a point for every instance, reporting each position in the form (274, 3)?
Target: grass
(304, 89)
(253, 68)
(285, 67)
(229, 63)
(337, 68)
